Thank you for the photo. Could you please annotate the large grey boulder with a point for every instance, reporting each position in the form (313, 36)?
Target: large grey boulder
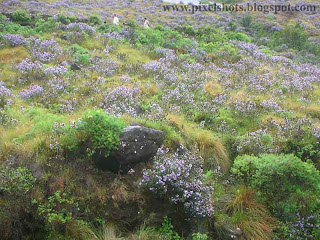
(137, 144)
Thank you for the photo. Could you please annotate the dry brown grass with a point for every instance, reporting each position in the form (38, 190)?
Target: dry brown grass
(211, 147)
(16, 54)
(251, 216)
(213, 88)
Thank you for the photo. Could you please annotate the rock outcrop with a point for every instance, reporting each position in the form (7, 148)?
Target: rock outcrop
(137, 144)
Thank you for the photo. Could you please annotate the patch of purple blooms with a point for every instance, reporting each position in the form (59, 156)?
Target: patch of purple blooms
(29, 69)
(32, 92)
(46, 50)
(304, 227)
(14, 39)
(4, 93)
(180, 178)
(55, 71)
(121, 100)
(79, 27)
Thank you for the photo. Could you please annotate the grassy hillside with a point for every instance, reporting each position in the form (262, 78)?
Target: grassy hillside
(240, 91)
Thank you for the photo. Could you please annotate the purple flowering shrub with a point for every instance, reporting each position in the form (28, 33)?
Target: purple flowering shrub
(44, 51)
(55, 71)
(79, 27)
(14, 39)
(4, 94)
(121, 100)
(29, 70)
(305, 227)
(180, 178)
(105, 67)
(32, 92)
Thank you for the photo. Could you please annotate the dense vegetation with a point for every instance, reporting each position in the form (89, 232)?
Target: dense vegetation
(239, 92)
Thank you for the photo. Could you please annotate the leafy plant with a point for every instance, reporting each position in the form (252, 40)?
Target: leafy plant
(57, 209)
(166, 229)
(21, 17)
(199, 236)
(96, 130)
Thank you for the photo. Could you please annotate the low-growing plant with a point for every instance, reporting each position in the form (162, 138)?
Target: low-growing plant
(18, 182)
(166, 229)
(199, 236)
(57, 210)
(96, 130)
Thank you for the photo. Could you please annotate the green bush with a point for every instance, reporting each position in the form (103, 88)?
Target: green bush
(246, 21)
(107, 28)
(166, 229)
(288, 184)
(96, 130)
(291, 35)
(46, 26)
(17, 182)
(238, 36)
(294, 36)
(57, 209)
(81, 55)
(21, 17)
(65, 19)
(94, 20)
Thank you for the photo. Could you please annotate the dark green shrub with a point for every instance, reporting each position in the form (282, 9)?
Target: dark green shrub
(288, 184)
(94, 20)
(21, 17)
(46, 26)
(232, 26)
(107, 28)
(17, 182)
(132, 24)
(80, 54)
(246, 21)
(63, 19)
(294, 36)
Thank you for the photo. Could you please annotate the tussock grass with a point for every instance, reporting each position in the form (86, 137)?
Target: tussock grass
(211, 148)
(83, 231)
(134, 55)
(251, 216)
(213, 88)
(16, 54)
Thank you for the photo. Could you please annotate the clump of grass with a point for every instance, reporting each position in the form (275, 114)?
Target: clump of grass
(146, 233)
(211, 148)
(213, 88)
(251, 216)
(83, 231)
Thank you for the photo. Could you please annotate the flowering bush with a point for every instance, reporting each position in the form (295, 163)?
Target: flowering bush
(121, 100)
(256, 142)
(305, 227)
(46, 50)
(29, 69)
(32, 92)
(79, 27)
(180, 178)
(14, 39)
(4, 93)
